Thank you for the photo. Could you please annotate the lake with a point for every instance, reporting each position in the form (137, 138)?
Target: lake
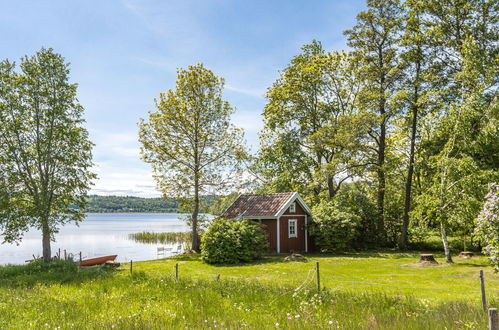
(99, 234)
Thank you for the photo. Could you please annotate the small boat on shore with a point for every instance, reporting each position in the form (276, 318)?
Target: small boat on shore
(97, 261)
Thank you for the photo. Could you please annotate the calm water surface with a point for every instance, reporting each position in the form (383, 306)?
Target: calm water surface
(99, 234)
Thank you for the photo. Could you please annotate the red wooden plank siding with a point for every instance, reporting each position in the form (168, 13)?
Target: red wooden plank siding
(271, 229)
(295, 244)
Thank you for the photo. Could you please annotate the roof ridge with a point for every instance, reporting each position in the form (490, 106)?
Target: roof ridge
(279, 193)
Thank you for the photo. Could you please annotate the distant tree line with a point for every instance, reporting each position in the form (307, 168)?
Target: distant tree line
(117, 204)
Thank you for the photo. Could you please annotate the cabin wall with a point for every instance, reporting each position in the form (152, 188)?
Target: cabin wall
(270, 226)
(292, 244)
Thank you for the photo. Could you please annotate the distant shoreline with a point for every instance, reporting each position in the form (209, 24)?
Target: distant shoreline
(131, 212)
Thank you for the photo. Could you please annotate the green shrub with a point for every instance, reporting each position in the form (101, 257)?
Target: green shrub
(333, 229)
(233, 241)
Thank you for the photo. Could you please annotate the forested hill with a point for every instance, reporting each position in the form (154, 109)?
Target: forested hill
(116, 204)
(107, 204)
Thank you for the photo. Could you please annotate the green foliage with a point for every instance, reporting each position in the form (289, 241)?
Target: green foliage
(45, 158)
(189, 140)
(220, 204)
(311, 140)
(232, 241)
(333, 228)
(354, 199)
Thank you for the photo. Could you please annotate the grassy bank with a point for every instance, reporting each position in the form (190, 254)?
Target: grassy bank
(362, 291)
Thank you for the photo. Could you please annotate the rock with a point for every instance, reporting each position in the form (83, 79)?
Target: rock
(295, 257)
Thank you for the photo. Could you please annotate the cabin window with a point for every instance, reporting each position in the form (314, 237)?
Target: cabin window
(292, 228)
(292, 208)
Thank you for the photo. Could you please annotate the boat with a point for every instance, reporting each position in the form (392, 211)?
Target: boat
(97, 261)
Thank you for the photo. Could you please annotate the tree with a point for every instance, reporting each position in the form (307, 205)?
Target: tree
(467, 162)
(313, 132)
(45, 157)
(189, 140)
(415, 89)
(375, 40)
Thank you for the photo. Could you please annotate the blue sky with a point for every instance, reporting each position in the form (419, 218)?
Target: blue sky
(124, 53)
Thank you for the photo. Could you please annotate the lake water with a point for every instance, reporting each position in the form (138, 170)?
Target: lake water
(98, 235)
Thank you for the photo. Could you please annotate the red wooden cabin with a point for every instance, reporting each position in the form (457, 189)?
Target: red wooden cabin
(285, 216)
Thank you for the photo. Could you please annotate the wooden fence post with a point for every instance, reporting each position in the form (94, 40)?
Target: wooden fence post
(318, 276)
(131, 266)
(482, 287)
(65, 255)
(493, 319)
(218, 277)
(176, 271)
(80, 256)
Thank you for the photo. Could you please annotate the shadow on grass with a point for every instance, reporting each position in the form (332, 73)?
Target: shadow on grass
(383, 254)
(469, 264)
(266, 259)
(56, 272)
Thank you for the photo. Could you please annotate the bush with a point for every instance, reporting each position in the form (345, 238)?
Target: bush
(233, 241)
(333, 229)
(487, 226)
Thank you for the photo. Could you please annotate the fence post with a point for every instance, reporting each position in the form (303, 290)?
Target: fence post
(131, 266)
(482, 287)
(218, 277)
(80, 256)
(493, 319)
(65, 255)
(318, 276)
(176, 271)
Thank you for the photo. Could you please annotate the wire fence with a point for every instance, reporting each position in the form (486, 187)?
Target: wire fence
(365, 284)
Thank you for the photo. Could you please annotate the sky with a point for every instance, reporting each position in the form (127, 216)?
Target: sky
(123, 54)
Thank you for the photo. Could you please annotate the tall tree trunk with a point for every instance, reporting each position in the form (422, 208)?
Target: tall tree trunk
(381, 178)
(410, 171)
(448, 257)
(47, 253)
(195, 236)
(332, 190)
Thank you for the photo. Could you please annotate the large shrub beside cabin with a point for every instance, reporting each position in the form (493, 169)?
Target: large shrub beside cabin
(334, 229)
(232, 241)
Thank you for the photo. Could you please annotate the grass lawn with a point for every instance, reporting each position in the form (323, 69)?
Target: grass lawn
(390, 273)
(362, 290)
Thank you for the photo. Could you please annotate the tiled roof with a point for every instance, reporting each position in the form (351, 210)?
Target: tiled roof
(257, 205)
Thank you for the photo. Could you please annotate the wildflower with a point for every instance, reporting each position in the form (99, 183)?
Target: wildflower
(297, 316)
(277, 324)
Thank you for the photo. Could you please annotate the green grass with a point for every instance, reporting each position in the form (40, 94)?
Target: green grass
(366, 291)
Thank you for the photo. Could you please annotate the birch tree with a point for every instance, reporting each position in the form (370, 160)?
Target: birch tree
(190, 142)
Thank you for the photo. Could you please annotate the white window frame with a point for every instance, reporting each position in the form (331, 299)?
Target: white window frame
(292, 207)
(295, 224)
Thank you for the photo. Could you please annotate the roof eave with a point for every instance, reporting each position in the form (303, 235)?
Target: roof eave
(295, 196)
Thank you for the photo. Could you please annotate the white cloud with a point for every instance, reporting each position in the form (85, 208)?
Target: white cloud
(250, 92)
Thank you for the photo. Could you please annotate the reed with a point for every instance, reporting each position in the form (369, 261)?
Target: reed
(162, 238)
